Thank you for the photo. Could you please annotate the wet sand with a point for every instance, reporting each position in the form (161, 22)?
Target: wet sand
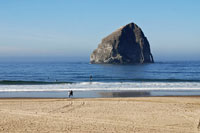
(149, 114)
(100, 93)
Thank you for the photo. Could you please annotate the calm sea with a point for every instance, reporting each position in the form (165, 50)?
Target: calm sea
(58, 77)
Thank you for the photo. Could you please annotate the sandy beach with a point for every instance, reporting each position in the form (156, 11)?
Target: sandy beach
(150, 114)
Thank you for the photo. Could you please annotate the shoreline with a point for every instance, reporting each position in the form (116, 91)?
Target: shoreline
(99, 98)
(102, 94)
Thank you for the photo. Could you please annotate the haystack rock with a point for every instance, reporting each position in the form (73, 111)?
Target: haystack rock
(127, 45)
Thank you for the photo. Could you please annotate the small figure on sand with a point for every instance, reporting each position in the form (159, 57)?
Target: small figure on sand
(70, 93)
(90, 77)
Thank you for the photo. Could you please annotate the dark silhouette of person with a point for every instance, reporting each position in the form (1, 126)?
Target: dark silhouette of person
(90, 77)
(70, 93)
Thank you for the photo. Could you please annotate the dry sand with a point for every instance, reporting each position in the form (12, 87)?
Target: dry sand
(151, 114)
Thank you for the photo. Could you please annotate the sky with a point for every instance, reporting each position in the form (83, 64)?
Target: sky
(74, 28)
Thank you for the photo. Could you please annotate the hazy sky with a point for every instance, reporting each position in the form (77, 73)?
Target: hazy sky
(73, 28)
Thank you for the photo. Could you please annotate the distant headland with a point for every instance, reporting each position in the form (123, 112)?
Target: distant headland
(127, 45)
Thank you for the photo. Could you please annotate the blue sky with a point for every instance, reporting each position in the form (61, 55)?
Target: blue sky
(74, 28)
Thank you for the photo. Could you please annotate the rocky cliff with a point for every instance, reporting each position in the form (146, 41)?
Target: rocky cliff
(127, 45)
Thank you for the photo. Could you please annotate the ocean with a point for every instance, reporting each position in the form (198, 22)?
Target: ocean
(54, 79)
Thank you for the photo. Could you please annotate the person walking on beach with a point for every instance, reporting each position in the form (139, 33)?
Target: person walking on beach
(70, 93)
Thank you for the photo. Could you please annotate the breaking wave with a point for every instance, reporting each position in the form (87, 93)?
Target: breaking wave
(87, 86)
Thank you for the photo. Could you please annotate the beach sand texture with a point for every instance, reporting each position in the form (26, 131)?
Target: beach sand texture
(150, 114)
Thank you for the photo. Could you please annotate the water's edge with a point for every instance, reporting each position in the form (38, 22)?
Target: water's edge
(100, 94)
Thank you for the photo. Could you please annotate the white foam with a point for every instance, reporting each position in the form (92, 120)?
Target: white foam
(86, 86)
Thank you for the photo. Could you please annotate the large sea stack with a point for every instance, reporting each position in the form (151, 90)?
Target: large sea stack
(127, 45)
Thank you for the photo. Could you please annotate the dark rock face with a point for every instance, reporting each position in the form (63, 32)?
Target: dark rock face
(127, 45)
